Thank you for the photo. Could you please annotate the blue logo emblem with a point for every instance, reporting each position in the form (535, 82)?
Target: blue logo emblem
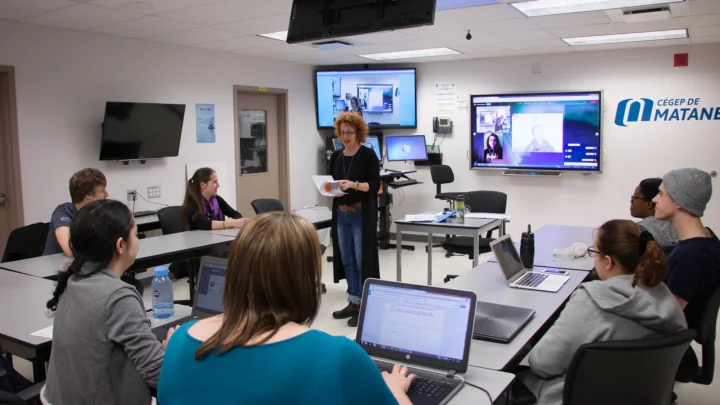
(633, 110)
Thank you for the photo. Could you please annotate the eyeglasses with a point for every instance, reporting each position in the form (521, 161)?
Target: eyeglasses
(634, 197)
(347, 133)
(592, 252)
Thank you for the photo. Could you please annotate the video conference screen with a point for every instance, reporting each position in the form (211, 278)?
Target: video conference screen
(538, 131)
(384, 97)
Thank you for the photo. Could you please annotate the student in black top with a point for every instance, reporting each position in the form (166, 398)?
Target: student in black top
(203, 208)
(694, 264)
(354, 218)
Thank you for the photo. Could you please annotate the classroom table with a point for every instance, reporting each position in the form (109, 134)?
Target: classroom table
(147, 223)
(490, 285)
(152, 252)
(321, 219)
(472, 227)
(551, 237)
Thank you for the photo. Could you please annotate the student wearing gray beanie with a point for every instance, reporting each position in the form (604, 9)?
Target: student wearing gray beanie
(694, 264)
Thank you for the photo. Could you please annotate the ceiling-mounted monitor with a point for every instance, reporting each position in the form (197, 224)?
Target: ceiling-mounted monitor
(312, 20)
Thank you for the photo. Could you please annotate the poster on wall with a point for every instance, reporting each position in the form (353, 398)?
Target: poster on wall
(445, 99)
(205, 123)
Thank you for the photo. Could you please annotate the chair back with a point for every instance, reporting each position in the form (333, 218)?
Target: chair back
(706, 334)
(441, 174)
(494, 202)
(26, 242)
(171, 220)
(637, 372)
(263, 205)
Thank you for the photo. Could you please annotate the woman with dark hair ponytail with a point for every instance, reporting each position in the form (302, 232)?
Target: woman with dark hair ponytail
(203, 208)
(103, 349)
(630, 301)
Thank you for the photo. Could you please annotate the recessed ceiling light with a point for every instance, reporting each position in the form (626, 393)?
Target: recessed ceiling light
(634, 37)
(280, 35)
(549, 7)
(418, 53)
(137, 5)
(455, 4)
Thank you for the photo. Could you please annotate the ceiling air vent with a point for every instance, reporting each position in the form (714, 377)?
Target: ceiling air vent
(646, 14)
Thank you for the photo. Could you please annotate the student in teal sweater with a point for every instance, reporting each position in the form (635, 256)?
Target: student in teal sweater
(260, 351)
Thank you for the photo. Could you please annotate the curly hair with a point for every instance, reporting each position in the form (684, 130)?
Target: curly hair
(356, 121)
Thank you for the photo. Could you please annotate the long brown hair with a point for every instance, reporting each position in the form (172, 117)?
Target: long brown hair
(193, 197)
(634, 249)
(273, 278)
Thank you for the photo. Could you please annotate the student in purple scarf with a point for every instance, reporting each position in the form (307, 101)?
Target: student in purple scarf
(203, 208)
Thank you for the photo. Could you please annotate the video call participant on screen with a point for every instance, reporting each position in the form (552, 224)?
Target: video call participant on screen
(267, 311)
(203, 208)
(643, 208)
(539, 143)
(354, 218)
(695, 262)
(103, 349)
(629, 302)
(494, 150)
(355, 105)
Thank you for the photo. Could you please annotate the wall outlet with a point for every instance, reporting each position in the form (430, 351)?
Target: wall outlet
(153, 192)
(131, 194)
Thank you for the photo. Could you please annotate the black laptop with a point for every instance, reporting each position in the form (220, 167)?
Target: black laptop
(428, 329)
(499, 323)
(209, 295)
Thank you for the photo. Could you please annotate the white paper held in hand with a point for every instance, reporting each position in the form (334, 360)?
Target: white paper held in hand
(327, 186)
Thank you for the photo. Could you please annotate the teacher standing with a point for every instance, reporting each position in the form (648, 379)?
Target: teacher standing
(354, 218)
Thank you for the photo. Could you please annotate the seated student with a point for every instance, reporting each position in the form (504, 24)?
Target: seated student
(260, 351)
(629, 301)
(694, 264)
(103, 350)
(643, 207)
(203, 208)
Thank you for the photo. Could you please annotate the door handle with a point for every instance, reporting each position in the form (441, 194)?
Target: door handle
(3, 197)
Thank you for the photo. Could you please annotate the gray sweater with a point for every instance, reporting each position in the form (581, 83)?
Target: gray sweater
(599, 311)
(103, 350)
(663, 231)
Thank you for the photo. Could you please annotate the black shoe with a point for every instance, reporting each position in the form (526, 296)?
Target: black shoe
(347, 312)
(353, 322)
(324, 290)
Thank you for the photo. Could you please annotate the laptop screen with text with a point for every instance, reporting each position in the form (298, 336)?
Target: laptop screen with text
(210, 287)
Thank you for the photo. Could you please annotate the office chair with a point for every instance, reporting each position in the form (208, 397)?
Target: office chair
(26, 242)
(690, 371)
(626, 372)
(443, 174)
(171, 222)
(478, 201)
(263, 205)
(26, 396)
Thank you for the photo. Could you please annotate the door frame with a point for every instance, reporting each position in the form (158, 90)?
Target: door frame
(11, 145)
(281, 96)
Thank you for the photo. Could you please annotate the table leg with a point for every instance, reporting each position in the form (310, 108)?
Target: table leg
(398, 249)
(502, 227)
(38, 365)
(429, 252)
(476, 248)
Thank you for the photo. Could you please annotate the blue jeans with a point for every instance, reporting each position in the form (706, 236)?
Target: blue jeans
(349, 233)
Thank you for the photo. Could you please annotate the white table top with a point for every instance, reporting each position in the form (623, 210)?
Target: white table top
(490, 285)
(470, 223)
(551, 237)
(23, 299)
(315, 216)
(149, 219)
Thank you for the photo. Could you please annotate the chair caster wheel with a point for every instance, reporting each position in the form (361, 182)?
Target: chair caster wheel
(448, 254)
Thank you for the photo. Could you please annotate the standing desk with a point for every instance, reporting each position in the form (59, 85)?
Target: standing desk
(490, 285)
(473, 227)
(551, 237)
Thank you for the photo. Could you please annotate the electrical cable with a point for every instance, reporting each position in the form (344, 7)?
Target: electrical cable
(481, 389)
(145, 199)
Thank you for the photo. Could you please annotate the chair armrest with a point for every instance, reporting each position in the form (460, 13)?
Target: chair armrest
(32, 393)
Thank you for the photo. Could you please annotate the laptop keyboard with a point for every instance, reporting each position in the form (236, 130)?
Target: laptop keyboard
(531, 279)
(426, 387)
(178, 322)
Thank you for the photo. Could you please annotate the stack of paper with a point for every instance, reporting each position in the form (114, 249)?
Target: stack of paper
(486, 215)
(420, 218)
(327, 186)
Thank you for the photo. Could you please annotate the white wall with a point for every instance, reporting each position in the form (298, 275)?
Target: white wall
(632, 153)
(64, 78)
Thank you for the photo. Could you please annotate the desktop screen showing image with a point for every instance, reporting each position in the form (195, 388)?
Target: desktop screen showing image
(371, 142)
(384, 97)
(540, 131)
(405, 148)
(416, 322)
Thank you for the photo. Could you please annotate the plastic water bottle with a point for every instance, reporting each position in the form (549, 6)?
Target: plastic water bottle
(460, 209)
(162, 294)
(527, 248)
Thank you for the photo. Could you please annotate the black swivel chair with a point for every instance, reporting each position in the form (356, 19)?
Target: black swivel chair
(171, 222)
(28, 395)
(263, 205)
(443, 174)
(478, 201)
(26, 242)
(690, 371)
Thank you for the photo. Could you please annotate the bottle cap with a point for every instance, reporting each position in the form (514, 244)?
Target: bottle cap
(161, 271)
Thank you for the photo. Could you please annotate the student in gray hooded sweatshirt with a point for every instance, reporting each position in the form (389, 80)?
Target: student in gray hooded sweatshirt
(630, 301)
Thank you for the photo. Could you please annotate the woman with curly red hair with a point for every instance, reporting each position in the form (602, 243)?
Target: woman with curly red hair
(354, 220)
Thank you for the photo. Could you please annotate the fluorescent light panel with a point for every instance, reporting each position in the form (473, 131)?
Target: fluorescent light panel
(455, 4)
(621, 38)
(549, 7)
(418, 53)
(280, 35)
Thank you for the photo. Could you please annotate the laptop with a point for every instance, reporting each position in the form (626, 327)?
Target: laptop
(517, 276)
(208, 296)
(499, 323)
(426, 328)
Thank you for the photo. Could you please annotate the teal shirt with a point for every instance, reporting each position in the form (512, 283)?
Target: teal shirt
(312, 368)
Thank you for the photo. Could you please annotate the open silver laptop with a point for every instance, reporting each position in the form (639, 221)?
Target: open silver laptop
(515, 273)
(428, 329)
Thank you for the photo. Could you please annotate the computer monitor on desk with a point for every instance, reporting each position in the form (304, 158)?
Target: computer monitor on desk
(405, 148)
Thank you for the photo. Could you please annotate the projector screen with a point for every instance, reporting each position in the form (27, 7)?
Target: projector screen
(536, 131)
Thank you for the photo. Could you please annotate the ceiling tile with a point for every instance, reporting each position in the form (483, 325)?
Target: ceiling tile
(619, 28)
(701, 7)
(481, 47)
(522, 52)
(704, 20)
(341, 59)
(234, 44)
(303, 56)
(378, 38)
(571, 20)
(681, 9)
(82, 17)
(150, 7)
(144, 27)
(273, 50)
(705, 31)
(628, 45)
(18, 9)
(705, 40)
(195, 36)
(456, 34)
(472, 15)
(262, 25)
(230, 11)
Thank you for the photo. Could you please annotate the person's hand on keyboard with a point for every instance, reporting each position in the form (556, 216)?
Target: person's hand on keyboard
(399, 382)
(167, 338)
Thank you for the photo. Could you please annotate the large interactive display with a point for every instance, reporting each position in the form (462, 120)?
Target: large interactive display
(537, 131)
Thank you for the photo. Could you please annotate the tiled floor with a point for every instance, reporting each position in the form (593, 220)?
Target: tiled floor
(415, 271)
